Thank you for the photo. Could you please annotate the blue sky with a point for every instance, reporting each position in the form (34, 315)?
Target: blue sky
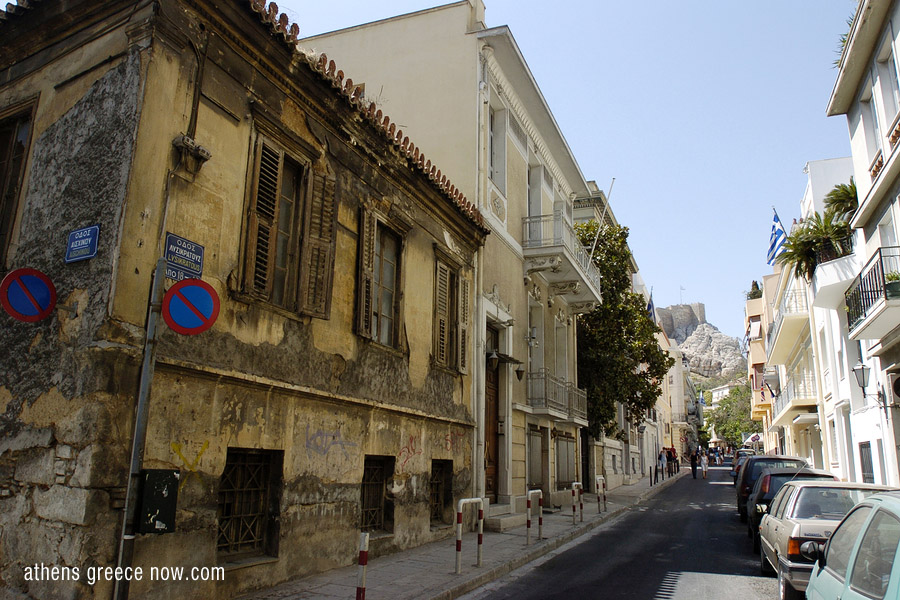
(704, 112)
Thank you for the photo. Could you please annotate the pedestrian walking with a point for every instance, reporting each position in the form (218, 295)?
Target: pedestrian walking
(694, 464)
(704, 464)
(662, 462)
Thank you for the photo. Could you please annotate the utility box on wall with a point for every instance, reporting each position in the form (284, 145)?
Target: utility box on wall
(158, 500)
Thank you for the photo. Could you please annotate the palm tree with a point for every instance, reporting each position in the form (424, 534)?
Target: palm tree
(818, 239)
(842, 201)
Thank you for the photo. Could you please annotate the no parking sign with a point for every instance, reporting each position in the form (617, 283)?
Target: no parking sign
(27, 295)
(191, 306)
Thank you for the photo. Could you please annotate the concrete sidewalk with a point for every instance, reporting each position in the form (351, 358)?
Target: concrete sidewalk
(428, 571)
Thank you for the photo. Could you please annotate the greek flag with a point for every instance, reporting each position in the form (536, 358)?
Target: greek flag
(651, 310)
(776, 240)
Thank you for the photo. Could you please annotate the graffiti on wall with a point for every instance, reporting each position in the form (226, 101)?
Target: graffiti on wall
(321, 442)
(191, 466)
(454, 441)
(407, 452)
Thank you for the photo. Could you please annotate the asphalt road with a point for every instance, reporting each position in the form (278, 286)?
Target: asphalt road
(685, 543)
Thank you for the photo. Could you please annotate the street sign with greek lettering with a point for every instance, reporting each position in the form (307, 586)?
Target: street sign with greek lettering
(82, 244)
(184, 258)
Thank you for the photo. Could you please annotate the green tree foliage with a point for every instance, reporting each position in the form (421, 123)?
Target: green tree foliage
(619, 358)
(754, 292)
(842, 201)
(817, 238)
(731, 417)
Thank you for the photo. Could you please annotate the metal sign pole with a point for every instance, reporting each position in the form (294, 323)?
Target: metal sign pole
(126, 541)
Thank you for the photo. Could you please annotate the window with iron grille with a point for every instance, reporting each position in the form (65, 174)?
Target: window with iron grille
(14, 138)
(441, 491)
(249, 499)
(376, 508)
(565, 460)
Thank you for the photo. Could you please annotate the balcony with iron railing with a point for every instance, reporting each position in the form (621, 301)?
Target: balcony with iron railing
(873, 300)
(798, 394)
(791, 316)
(555, 397)
(551, 247)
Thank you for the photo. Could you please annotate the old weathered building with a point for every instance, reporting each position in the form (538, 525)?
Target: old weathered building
(333, 393)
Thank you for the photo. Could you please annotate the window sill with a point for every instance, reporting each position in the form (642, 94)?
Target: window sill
(249, 561)
(252, 300)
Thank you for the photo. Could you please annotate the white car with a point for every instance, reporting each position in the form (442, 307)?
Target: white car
(803, 511)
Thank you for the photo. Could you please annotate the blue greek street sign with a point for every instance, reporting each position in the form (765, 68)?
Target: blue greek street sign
(184, 258)
(82, 244)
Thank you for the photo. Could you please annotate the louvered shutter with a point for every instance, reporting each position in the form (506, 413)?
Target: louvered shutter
(317, 266)
(367, 226)
(462, 338)
(442, 313)
(264, 219)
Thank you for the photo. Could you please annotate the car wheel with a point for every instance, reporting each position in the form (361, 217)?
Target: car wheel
(764, 567)
(743, 515)
(785, 590)
(750, 529)
(756, 544)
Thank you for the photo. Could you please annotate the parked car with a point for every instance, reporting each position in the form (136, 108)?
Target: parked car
(765, 488)
(739, 453)
(804, 511)
(750, 471)
(860, 560)
(737, 468)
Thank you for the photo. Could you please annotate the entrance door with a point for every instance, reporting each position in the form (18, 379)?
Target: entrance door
(491, 419)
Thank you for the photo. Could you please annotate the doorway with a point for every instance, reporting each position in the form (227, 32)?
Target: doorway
(491, 417)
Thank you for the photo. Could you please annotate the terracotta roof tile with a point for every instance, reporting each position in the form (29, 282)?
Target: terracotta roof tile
(327, 69)
(281, 27)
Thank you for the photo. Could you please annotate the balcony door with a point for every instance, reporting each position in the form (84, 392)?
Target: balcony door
(491, 418)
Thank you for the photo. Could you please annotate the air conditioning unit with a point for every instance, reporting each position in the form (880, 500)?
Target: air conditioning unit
(893, 394)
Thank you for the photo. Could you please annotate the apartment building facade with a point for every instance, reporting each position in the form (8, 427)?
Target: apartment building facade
(867, 93)
(333, 393)
(467, 96)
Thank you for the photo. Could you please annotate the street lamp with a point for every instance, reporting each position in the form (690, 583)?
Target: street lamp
(493, 360)
(861, 372)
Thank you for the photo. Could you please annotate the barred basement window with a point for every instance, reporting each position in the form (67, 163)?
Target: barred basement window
(249, 500)
(376, 508)
(441, 491)
(15, 132)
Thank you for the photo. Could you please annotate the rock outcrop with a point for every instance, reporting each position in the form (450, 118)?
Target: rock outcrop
(711, 353)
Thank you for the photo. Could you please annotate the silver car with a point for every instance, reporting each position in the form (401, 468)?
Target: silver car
(803, 511)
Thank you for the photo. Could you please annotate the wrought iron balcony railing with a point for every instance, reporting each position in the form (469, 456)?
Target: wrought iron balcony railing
(550, 392)
(546, 231)
(875, 283)
(797, 388)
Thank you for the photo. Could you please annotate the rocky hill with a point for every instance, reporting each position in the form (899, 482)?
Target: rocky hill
(711, 353)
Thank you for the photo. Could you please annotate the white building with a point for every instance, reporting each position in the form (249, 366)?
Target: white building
(867, 92)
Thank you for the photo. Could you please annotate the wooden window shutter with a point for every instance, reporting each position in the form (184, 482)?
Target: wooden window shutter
(317, 265)
(462, 338)
(442, 313)
(364, 307)
(263, 219)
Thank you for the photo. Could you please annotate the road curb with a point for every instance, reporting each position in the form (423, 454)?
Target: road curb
(544, 548)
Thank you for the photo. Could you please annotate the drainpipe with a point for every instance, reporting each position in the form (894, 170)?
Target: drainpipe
(478, 381)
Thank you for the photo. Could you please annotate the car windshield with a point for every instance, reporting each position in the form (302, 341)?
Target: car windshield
(827, 503)
(757, 466)
(776, 481)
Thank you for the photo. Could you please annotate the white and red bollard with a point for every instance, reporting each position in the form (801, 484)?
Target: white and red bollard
(480, 503)
(580, 502)
(528, 504)
(363, 563)
(600, 485)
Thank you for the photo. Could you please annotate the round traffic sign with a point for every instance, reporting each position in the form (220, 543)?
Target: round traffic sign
(191, 306)
(27, 295)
